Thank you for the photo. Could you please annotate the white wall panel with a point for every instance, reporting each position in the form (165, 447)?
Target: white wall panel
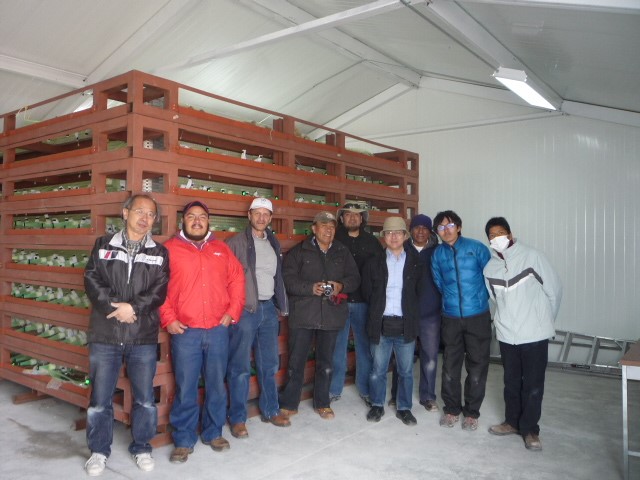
(569, 186)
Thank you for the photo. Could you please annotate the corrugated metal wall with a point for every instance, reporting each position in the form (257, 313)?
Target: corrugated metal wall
(569, 186)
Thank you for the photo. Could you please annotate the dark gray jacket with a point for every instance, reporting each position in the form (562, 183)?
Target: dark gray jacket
(244, 249)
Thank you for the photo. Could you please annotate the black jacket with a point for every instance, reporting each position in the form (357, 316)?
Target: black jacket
(430, 298)
(107, 279)
(305, 265)
(374, 288)
(362, 247)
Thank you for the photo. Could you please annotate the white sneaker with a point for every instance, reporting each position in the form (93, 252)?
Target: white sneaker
(144, 461)
(95, 465)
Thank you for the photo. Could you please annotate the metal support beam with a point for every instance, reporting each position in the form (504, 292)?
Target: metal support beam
(285, 13)
(44, 72)
(609, 6)
(313, 26)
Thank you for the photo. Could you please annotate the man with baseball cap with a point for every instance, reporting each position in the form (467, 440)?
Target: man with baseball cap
(206, 294)
(318, 272)
(352, 220)
(391, 285)
(258, 250)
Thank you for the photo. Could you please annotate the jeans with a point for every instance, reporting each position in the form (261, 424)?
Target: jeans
(381, 354)
(465, 340)
(300, 340)
(524, 372)
(429, 345)
(199, 351)
(105, 361)
(358, 321)
(260, 331)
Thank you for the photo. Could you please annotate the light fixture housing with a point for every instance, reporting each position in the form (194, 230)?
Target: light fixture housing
(516, 81)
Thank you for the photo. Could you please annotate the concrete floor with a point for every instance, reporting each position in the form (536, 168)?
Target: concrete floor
(581, 432)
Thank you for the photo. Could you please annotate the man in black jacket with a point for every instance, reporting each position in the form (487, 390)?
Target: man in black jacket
(391, 285)
(352, 220)
(126, 280)
(424, 241)
(317, 274)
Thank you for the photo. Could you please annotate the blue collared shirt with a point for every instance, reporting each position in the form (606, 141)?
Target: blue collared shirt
(395, 267)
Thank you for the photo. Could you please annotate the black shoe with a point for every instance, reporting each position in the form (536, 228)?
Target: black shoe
(407, 417)
(375, 414)
(366, 400)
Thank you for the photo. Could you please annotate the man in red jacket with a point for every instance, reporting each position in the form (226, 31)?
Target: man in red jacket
(206, 294)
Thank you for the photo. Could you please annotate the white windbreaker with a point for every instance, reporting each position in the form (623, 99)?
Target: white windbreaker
(526, 292)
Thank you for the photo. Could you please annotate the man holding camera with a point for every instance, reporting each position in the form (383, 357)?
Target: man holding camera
(318, 273)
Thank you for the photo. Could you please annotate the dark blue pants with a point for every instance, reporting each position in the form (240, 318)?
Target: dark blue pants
(524, 372)
(300, 341)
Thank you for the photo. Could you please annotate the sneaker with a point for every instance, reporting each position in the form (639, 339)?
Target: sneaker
(96, 464)
(448, 420)
(392, 402)
(334, 398)
(502, 429)
(144, 461)
(430, 406)
(532, 442)
(470, 424)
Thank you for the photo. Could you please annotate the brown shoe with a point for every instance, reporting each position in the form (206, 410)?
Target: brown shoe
(239, 430)
(325, 413)
(219, 444)
(279, 420)
(180, 454)
(288, 413)
(430, 406)
(532, 442)
(503, 429)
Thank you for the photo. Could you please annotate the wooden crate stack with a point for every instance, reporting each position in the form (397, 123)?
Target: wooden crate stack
(64, 180)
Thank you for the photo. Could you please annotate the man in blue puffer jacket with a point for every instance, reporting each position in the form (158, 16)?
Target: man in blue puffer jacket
(457, 266)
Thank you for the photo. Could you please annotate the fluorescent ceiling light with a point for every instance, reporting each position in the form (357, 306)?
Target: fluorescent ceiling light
(516, 81)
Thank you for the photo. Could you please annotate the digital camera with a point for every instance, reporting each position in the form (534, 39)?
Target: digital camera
(327, 289)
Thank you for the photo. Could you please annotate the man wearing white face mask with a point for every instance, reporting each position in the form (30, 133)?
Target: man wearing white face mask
(526, 291)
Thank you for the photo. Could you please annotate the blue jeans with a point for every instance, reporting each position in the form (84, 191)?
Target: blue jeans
(199, 351)
(381, 354)
(260, 331)
(429, 346)
(105, 361)
(358, 321)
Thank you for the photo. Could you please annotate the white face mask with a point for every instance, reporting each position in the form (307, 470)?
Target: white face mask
(500, 244)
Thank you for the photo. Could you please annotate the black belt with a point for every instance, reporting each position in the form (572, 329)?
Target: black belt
(265, 301)
(391, 317)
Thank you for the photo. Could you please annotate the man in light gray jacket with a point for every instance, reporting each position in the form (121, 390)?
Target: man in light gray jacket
(526, 291)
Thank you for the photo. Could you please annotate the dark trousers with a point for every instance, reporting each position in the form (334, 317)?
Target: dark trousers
(300, 340)
(524, 372)
(465, 340)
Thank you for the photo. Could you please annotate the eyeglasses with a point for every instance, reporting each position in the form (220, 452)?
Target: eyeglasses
(141, 213)
(448, 226)
(350, 206)
(394, 233)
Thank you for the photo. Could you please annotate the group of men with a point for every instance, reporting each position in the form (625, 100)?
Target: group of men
(220, 301)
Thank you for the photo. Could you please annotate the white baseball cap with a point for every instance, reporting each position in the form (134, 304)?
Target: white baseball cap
(260, 202)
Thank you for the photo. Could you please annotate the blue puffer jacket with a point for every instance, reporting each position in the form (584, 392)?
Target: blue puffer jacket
(457, 272)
